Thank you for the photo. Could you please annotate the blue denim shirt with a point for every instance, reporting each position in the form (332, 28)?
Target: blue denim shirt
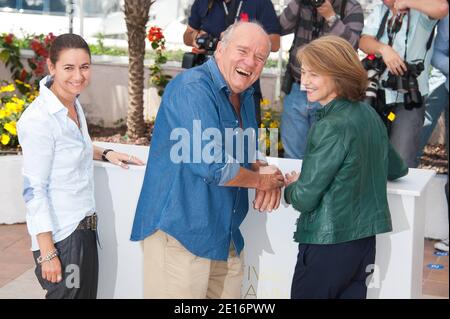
(188, 200)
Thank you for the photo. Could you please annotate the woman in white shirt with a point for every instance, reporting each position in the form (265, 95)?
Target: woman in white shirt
(58, 175)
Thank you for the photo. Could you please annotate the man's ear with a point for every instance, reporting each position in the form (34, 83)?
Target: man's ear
(219, 49)
(51, 67)
(219, 46)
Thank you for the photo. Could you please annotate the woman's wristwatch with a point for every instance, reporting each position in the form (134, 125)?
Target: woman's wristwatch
(104, 154)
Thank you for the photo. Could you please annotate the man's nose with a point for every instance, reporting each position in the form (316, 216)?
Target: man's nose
(250, 61)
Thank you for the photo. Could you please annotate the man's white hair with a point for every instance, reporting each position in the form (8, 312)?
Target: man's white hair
(228, 33)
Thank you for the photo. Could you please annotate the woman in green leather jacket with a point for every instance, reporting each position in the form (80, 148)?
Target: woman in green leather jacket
(341, 192)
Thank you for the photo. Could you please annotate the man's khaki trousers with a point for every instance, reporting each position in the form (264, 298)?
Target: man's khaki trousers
(171, 271)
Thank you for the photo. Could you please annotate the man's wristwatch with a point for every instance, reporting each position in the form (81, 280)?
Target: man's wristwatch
(332, 20)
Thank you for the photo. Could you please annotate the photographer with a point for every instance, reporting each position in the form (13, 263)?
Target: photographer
(400, 31)
(309, 20)
(209, 18)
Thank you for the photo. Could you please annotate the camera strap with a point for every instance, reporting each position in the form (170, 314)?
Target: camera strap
(232, 14)
(395, 26)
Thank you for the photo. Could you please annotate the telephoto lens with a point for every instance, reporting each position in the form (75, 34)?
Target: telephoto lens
(316, 3)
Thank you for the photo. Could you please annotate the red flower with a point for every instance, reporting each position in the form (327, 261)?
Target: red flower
(8, 38)
(23, 75)
(244, 17)
(155, 34)
(35, 45)
(49, 39)
(39, 48)
(40, 68)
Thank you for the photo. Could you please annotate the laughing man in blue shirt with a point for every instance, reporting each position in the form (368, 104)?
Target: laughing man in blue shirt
(202, 160)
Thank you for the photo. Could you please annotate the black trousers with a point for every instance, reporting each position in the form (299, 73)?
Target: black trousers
(79, 262)
(333, 271)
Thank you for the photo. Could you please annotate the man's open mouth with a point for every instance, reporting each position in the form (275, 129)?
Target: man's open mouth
(243, 72)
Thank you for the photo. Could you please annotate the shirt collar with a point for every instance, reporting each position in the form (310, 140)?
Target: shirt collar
(55, 104)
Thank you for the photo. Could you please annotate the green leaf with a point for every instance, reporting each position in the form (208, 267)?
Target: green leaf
(4, 55)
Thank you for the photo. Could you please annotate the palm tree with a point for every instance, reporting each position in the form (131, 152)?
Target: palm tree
(136, 18)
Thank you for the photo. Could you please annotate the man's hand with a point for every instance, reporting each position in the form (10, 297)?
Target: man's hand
(270, 199)
(326, 10)
(270, 177)
(194, 42)
(393, 61)
(189, 38)
(267, 200)
(291, 178)
(401, 5)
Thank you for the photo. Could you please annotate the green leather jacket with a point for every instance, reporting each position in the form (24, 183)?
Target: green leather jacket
(341, 191)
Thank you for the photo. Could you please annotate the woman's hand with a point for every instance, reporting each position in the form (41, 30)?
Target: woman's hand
(122, 159)
(52, 270)
(291, 178)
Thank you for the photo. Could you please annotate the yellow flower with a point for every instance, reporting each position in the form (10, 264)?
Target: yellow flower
(32, 95)
(264, 102)
(5, 112)
(7, 88)
(5, 139)
(16, 100)
(280, 146)
(11, 127)
(274, 124)
(19, 82)
(13, 107)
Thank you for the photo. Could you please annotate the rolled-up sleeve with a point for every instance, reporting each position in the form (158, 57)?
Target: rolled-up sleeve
(351, 26)
(199, 113)
(37, 145)
(373, 21)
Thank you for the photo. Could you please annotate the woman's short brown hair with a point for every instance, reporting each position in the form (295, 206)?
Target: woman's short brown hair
(335, 57)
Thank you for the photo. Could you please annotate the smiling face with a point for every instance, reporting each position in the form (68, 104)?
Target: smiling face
(319, 88)
(71, 72)
(242, 58)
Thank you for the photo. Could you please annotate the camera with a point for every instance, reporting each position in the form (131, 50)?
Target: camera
(205, 42)
(407, 84)
(314, 3)
(375, 67)
(375, 96)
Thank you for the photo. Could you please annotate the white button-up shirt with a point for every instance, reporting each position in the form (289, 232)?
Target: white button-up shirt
(57, 167)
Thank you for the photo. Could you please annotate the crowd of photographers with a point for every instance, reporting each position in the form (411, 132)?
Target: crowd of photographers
(397, 38)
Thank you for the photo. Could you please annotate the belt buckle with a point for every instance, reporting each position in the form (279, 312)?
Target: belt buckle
(91, 222)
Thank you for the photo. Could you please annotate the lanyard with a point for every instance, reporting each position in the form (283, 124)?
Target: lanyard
(237, 12)
(394, 26)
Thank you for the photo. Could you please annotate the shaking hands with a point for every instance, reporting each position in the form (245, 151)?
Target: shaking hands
(268, 192)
